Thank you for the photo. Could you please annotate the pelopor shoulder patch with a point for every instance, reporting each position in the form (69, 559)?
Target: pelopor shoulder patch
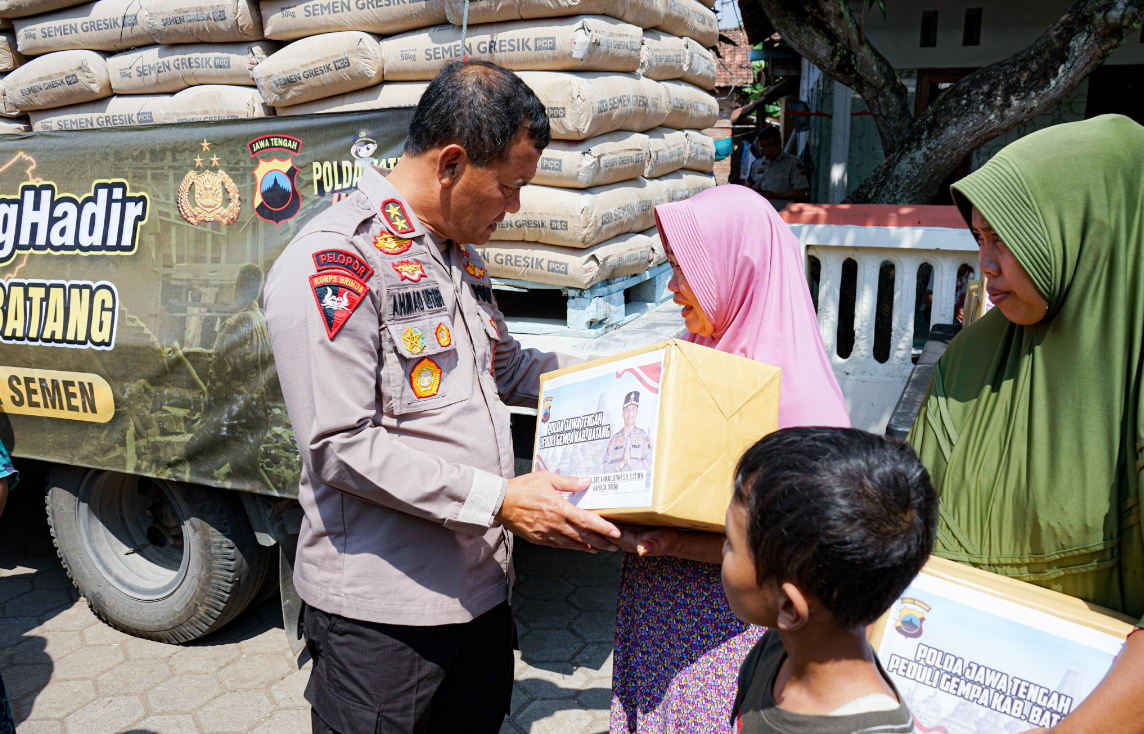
(342, 260)
(394, 213)
(425, 378)
(338, 296)
(391, 244)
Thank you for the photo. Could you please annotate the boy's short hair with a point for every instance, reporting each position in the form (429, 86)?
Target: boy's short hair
(843, 514)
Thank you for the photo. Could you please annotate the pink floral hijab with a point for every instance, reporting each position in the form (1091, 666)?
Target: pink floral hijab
(745, 267)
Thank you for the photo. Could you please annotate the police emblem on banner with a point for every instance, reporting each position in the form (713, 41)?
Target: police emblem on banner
(546, 414)
(425, 378)
(276, 195)
(911, 617)
(338, 295)
(208, 196)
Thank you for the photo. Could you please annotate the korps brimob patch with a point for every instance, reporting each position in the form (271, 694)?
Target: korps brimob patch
(337, 296)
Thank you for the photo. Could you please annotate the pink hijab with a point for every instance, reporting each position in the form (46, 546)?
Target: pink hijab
(745, 267)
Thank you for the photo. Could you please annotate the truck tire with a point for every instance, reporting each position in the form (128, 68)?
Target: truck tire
(157, 559)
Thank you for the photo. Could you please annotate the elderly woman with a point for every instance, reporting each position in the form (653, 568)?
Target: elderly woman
(1032, 429)
(739, 276)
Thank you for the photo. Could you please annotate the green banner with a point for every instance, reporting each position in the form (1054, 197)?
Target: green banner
(132, 336)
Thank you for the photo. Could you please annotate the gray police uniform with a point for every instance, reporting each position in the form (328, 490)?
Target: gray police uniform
(782, 174)
(637, 444)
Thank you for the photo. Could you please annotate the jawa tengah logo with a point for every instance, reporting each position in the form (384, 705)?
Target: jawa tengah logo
(105, 222)
(276, 196)
(208, 196)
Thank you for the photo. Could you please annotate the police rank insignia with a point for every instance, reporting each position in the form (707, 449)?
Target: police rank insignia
(409, 269)
(425, 378)
(208, 196)
(338, 295)
(394, 213)
(414, 340)
(444, 338)
(391, 244)
(473, 270)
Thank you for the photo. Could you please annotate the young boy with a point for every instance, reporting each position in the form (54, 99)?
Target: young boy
(826, 529)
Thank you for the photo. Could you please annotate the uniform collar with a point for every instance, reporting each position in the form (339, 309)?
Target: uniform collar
(394, 213)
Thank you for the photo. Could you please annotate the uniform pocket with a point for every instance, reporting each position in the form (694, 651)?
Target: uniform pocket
(421, 365)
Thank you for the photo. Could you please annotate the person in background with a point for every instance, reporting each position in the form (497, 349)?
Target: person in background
(1031, 428)
(826, 528)
(8, 479)
(739, 276)
(776, 174)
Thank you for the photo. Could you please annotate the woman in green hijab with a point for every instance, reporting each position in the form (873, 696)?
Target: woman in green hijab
(1031, 428)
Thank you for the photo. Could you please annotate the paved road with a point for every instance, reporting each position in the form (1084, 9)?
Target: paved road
(68, 673)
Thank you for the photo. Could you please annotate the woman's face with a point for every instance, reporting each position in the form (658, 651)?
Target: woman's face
(1010, 288)
(694, 319)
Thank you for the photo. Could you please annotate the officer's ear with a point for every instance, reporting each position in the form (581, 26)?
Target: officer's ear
(451, 162)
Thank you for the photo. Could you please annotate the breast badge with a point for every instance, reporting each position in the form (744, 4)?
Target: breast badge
(391, 244)
(208, 196)
(425, 378)
(338, 295)
(394, 213)
(409, 269)
(473, 270)
(414, 340)
(444, 338)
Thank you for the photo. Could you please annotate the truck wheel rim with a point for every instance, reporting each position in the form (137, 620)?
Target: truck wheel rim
(132, 530)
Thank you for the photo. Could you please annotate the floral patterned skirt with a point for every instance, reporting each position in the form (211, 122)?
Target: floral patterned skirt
(678, 649)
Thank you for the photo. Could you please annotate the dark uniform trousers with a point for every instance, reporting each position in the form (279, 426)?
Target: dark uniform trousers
(371, 678)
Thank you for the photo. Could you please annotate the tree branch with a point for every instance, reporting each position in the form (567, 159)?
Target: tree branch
(998, 98)
(825, 33)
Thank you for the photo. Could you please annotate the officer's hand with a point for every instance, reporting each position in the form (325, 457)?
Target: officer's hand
(534, 509)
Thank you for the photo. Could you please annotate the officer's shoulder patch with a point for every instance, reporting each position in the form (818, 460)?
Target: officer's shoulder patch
(342, 260)
(394, 213)
(338, 295)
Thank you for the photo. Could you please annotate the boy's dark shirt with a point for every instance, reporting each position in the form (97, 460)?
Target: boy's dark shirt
(755, 710)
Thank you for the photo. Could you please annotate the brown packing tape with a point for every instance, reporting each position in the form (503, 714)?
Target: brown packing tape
(22, 8)
(581, 43)
(691, 19)
(320, 66)
(700, 152)
(667, 151)
(581, 217)
(203, 21)
(604, 159)
(287, 20)
(58, 79)
(701, 69)
(379, 97)
(159, 69)
(116, 111)
(690, 108)
(10, 56)
(214, 102)
(628, 254)
(644, 13)
(588, 104)
(106, 25)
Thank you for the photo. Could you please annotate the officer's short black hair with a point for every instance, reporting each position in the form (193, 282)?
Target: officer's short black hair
(842, 514)
(770, 133)
(479, 106)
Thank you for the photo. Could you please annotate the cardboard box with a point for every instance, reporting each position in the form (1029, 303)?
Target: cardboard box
(973, 651)
(696, 410)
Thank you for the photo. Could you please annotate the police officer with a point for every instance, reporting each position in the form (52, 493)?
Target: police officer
(630, 447)
(777, 175)
(395, 364)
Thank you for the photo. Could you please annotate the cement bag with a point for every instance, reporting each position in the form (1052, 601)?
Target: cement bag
(690, 108)
(667, 151)
(628, 254)
(700, 68)
(214, 102)
(320, 66)
(22, 8)
(683, 185)
(687, 18)
(662, 56)
(700, 152)
(157, 69)
(58, 79)
(604, 159)
(7, 109)
(135, 109)
(286, 20)
(11, 127)
(380, 97)
(582, 217)
(106, 25)
(203, 21)
(658, 253)
(644, 13)
(10, 56)
(591, 103)
(584, 43)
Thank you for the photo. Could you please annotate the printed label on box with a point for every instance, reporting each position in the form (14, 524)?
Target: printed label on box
(967, 661)
(601, 423)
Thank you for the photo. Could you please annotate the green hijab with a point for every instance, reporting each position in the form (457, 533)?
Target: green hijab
(1032, 433)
